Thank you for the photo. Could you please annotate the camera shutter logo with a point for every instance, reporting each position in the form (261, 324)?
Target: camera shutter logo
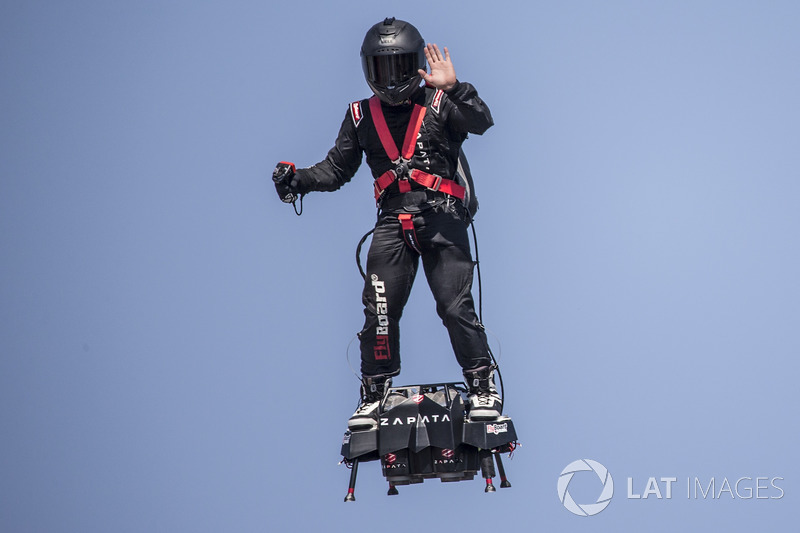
(585, 509)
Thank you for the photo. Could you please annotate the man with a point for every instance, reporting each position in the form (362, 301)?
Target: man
(411, 135)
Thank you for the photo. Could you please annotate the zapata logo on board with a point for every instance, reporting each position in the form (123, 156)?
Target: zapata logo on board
(566, 478)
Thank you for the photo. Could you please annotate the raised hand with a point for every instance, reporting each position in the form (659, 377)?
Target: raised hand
(443, 75)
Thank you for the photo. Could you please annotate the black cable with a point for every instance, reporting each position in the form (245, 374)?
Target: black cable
(480, 313)
(294, 204)
(478, 271)
(361, 243)
(358, 252)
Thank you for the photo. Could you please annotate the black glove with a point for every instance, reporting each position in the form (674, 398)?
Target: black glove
(283, 176)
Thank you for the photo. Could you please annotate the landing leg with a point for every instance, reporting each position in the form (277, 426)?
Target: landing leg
(487, 470)
(392, 490)
(351, 490)
(504, 483)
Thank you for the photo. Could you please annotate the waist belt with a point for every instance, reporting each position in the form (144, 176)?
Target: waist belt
(431, 181)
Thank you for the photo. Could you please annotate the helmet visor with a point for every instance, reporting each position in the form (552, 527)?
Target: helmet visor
(391, 70)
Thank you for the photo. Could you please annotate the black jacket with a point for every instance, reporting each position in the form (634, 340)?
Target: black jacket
(450, 116)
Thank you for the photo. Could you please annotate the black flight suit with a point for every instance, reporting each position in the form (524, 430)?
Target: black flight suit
(440, 222)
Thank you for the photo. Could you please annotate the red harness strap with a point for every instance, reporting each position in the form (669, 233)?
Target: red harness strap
(409, 235)
(431, 181)
(409, 143)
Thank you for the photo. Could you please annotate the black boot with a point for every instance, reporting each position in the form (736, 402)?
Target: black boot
(373, 389)
(483, 401)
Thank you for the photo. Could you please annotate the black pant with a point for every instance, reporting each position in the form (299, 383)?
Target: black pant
(391, 268)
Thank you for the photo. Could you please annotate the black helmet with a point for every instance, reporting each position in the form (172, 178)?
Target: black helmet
(392, 52)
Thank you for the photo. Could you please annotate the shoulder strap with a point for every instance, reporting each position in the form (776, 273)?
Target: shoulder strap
(409, 143)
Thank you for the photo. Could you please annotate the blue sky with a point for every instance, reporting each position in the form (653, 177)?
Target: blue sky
(173, 339)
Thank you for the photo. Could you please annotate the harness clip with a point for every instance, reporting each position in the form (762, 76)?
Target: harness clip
(401, 169)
